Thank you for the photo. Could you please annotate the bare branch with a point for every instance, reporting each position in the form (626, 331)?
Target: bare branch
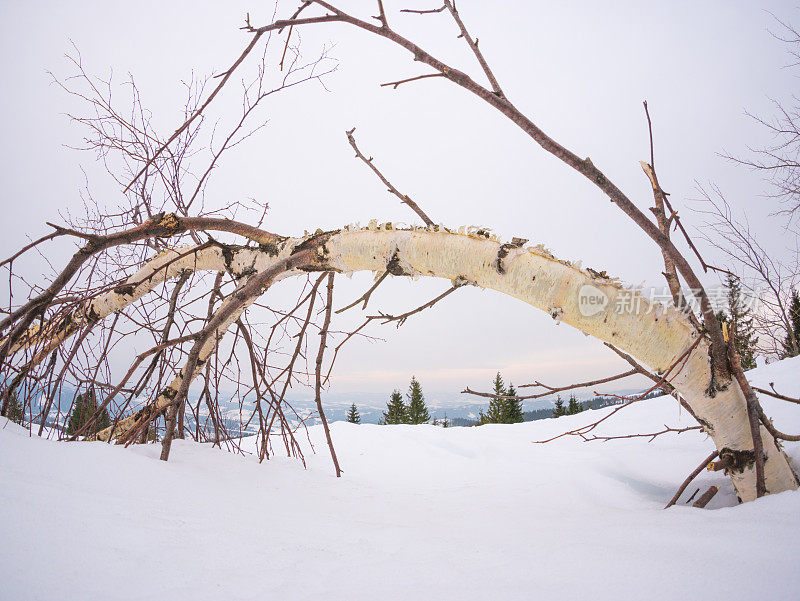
(323, 337)
(401, 319)
(399, 82)
(773, 430)
(366, 296)
(550, 390)
(582, 430)
(473, 45)
(424, 12)
(689, 479)
(225, 77)
(651, 435)
(403, 198)
(775, 394)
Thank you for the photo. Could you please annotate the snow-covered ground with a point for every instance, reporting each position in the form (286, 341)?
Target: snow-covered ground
(421, 513)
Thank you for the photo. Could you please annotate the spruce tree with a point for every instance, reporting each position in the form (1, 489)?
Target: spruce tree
(352, 415)
(84, 407)
(513, 408)
(497, 406)
(739, 322)
(791, 346)
(15, 412)
(396, 410)
(574, 406)
(417, 410)
(559, 409)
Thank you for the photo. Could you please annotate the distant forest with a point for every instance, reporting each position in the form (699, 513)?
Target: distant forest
(546, 413)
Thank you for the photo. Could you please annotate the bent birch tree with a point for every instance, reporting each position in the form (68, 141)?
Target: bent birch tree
(661, 337)
(62, 332)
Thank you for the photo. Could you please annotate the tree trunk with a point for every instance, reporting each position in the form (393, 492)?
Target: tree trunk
(656, 336)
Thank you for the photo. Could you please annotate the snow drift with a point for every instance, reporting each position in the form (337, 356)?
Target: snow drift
(421, 513)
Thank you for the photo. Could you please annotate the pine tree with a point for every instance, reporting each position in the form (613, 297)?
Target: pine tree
(512, 413)
(352, 415)
(497, 406)
(739, 322)
(574, 406)
(791, 345)
(417, 410)
(15, 412)
(84, 407)
(396, 410)
(559, 409)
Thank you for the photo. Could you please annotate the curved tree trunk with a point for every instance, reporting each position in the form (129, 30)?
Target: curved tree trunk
(658, 337)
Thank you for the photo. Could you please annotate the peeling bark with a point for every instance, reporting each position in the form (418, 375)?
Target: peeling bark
(653, 334)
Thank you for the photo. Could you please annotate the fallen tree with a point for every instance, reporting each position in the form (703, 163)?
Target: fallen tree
(685, 353)
(664, 339)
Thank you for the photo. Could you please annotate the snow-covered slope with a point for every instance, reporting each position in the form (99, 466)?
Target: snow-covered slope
(421, 513)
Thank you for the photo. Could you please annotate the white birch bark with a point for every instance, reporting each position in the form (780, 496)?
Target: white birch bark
(654, 335)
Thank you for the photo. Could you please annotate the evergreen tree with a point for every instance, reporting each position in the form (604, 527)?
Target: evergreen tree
(396, 410)
(15, 413)
(739, 322)
(417, 410)
(559, 409)
(513, 408)
(352, 415)
(84, 407)
(574, 406)
(497, 407)
(791, 345)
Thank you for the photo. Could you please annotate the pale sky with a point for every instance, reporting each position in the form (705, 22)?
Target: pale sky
(579, 69)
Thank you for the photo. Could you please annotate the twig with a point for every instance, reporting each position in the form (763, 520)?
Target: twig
(225, 77)
(341, 344)
(403, 198)
(401, 319)
(674, 216)
(705, 497)
(473, 45)
(366, 295)
(551, 390)
(323, 337)
(652, 435)
(286, 46)
(589, 427)
(382, 15)
(775, 394)
(665, 386)
(399, 82)
(689, 479)
(773, 430)
(423, 12)
(24, 249)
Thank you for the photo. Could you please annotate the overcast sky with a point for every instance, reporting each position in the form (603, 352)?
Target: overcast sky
(579, 69)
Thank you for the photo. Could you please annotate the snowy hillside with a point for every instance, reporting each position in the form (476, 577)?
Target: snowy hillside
(421, 513)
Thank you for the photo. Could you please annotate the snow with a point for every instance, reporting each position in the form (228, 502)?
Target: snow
(421, 513)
